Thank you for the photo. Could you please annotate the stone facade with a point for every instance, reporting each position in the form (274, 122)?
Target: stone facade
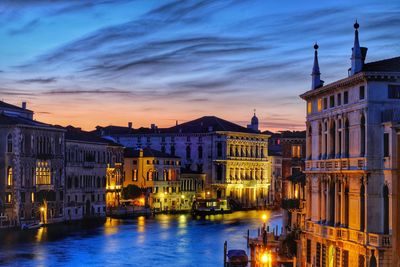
(158, 174)
(233, 158)
(31, 169)
(352, 155)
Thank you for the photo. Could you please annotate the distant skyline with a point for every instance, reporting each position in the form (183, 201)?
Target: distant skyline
(111, 62)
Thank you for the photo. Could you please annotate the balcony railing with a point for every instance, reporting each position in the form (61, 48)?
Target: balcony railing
(338, 164)
(345, 234)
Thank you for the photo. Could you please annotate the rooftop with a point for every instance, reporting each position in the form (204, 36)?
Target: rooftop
(76, 134)
(204, 124)
(15, 120)
(5, 105)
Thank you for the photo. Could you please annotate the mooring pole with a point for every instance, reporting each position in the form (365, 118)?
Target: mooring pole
(248, 236)
(225, 251)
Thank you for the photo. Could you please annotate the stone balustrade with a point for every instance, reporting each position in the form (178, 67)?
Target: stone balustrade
(339, 164)
(345, 234)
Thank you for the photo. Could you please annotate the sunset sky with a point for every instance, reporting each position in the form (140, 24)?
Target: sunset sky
(161, 61)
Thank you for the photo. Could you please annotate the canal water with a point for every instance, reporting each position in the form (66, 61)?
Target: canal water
(164, 240)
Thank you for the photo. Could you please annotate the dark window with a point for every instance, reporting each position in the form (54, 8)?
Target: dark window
(362, 92)
(61, 195)
(318, 255)
(308, 251)
(200, 152)
(386, 145)
(346, 97)
(331, 101)
(22, 197)
(219, 172)
(325, 103)
(394, 91)
(219, 150)
(339, 99)
(9, 143)
(163, 149)
(173, 150)
(323, 256)
(361, 260)
(188, 152)
(345, 258)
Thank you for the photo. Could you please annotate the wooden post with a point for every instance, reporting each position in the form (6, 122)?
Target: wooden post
(225, 251)
(248, 236)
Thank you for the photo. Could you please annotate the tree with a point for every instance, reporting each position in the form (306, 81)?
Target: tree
(131, 192)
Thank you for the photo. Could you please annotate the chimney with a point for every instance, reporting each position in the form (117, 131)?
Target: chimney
(130, 125)
(176, 123)
(24, 105)
(153, 126)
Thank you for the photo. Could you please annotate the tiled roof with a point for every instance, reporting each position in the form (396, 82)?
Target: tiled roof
(9, 106)
(204, 124)
(387, 65)
(14, 120)
(76, 134)
(147, 152)
(208, 124)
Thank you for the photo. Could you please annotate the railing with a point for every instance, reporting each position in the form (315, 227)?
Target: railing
(45, 187)
(338, 164)
(344, 234)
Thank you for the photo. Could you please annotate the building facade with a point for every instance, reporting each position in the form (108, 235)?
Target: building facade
(233, 158)
(31, 168)
(351, 169)
(157, 174)
(86, 161)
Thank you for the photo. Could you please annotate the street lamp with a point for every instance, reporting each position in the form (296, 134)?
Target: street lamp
(266, 259)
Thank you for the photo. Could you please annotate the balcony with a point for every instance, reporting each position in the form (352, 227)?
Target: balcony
(45, 187)
(345, 234)
(334, 165)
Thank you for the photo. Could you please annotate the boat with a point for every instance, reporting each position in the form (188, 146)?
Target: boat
(210, 206)
(28, 226)
(237, 258)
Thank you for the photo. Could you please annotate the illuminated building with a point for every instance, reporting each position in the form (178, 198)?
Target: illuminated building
(157, 173)
(352, 187)
(87, 161)
(234, 158)
(31, 168)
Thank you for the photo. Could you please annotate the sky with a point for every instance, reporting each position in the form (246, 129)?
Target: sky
(110, 62)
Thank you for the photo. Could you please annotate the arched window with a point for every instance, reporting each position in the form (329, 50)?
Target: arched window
(188, 156)
(9, 143)
(362, 136)
(219, 150)
(320, 141)
(385, 209)
(362, 207)
(219, 172)
(332, 151)
(309, 142)
(9, 176)
(200, 152)
(346, 139)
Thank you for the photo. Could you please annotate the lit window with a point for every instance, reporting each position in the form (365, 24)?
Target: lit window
(134, 175)
(296, 151)
(33, 197)
(319, 104)
(309, 107)
(8, 198)
(43, 173)
(9, 176)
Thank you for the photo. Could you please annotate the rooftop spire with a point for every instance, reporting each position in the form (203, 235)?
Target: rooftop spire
(356, 56)
(316, 75)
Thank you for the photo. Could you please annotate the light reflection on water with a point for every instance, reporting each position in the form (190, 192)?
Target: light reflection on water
(166, 240)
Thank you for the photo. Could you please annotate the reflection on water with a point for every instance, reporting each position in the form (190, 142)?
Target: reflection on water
(164, 240)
